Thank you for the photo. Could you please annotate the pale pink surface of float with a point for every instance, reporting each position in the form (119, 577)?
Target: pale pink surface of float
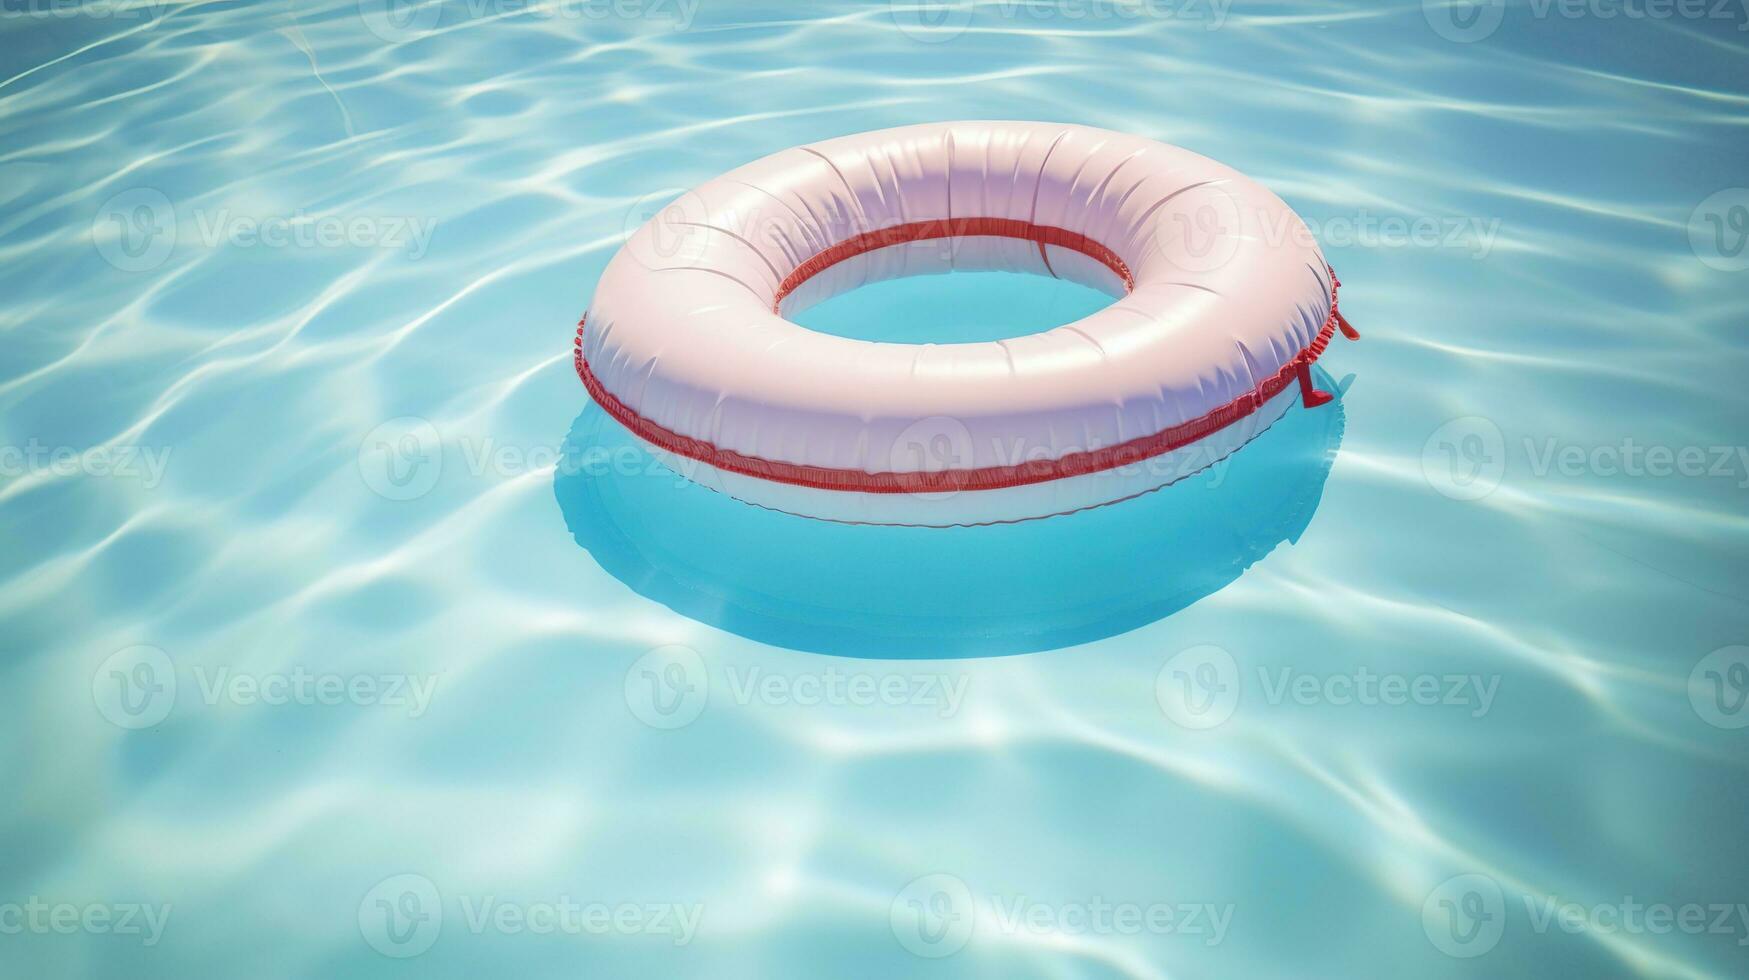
(1222, 299)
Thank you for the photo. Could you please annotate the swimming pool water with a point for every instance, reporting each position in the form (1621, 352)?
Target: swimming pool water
(965, 307)
(341, 637)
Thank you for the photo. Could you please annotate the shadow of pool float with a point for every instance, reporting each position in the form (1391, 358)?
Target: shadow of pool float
(917, 593)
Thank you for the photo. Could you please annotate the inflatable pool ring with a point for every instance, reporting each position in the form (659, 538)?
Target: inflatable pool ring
(1223, 302)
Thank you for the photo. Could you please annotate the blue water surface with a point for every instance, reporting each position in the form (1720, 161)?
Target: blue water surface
(327, 650)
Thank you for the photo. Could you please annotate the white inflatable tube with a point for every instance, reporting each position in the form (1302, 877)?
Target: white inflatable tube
(1223, 301)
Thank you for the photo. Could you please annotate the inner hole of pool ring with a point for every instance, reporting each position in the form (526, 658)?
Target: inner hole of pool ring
(952, 290)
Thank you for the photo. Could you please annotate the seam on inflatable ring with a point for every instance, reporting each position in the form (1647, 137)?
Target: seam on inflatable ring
(921, 231)
(987, 478)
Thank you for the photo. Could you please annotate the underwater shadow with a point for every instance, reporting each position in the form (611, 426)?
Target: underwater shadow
(917, 593)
